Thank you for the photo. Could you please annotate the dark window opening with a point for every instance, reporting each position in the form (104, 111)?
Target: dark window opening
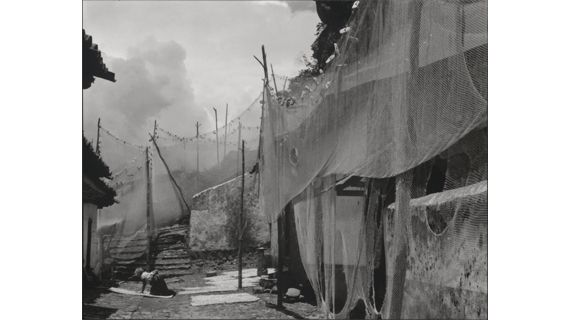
(436, 181)
(438, 217)
(421, 175)
(458, 168)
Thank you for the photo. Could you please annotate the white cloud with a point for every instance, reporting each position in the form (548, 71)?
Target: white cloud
(271, 3)
(214, 62)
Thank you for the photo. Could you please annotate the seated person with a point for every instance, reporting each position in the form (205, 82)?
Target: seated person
(157, 285)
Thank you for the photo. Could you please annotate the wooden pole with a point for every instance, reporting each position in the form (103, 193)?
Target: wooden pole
(240, 223)
(217, 145)
(98, 152)
(261, 127)
(97, 148)
(171, 176)
(148, 208)
(88, 251)
(395, 286)
(265, 83)
(226, 130)
(274, 82)
(279, 269)
(197, 148)
(239, 139)
(154, 132)
(264, 63)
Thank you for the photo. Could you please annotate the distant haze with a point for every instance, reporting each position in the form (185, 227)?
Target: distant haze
(174, 61)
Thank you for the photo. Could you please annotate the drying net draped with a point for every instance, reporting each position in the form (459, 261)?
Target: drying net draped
(206, 161)
(401, 90)
(403, 95)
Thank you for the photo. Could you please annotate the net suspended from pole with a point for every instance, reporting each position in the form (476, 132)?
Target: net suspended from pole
(182, 153)
(401, 109)
(135, 172)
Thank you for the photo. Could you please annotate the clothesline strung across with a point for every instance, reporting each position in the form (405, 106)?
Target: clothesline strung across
(204, 135)
(141, 148)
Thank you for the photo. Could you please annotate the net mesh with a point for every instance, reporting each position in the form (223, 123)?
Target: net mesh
(383, 156)
(401, 248)
(155, 182)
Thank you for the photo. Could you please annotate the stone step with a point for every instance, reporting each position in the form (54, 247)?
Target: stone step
(172, 247)
(127, 250)
(158, 266)
(173, 261)
(173, 253)
(126, 255)
(161, 256)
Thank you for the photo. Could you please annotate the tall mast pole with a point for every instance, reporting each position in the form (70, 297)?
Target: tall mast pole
(197, 147)
(274, 82)
(279, 271)
(239, 139)
(149, 224)
(240, 223)
(154, 132)
(97, 148)
(217, 144)
(226, 130)
(98, 152)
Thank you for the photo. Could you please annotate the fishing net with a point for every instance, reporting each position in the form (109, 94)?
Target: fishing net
(383, 156)
(155, 183)
(414, 246)
(201, 162)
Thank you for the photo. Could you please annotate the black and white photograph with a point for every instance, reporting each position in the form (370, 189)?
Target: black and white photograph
(285, 159)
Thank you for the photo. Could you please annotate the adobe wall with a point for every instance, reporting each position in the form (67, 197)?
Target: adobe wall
(215, 213)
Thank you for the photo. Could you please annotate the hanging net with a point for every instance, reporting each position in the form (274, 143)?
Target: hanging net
(383, 156)
(155, 183)
(201, 162)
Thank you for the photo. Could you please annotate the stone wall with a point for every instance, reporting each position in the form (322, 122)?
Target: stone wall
(446, 273)
(215, 216)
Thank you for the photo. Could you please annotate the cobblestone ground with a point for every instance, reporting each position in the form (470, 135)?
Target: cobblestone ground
(103, 304)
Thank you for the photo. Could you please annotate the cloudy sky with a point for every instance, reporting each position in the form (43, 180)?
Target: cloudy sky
(174, 60)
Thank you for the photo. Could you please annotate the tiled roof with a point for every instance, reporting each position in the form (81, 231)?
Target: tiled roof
(93, 65)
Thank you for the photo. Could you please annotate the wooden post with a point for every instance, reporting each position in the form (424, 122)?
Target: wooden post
(239, 139)
(154, 132)
(397, 280)
(274, 82)
(240, 222)
(264, 63)
(226, 130)
(97, 148)
(88, 251)
(217, 145)
(197, 148)
(98, 152)
(279, 269)
(180, 193)
(260, 148)
(149, 224)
